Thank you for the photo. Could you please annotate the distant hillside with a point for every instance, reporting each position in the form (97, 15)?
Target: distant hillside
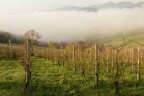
(116, 39)
(107, 5)
(134, 37)
(6, 36)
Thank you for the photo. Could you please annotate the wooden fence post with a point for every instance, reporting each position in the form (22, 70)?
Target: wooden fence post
(112, 62)
(138, 65)
(74, 63)
(27, 64)
(116, 81)
(96, 65)
(107, 63)
(132, 57)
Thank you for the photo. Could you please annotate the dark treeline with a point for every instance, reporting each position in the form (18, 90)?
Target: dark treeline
(6, 36)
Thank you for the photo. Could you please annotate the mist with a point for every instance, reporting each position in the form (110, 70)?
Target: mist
(75, 25)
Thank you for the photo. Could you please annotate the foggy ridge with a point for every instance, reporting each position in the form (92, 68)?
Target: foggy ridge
(108, 5)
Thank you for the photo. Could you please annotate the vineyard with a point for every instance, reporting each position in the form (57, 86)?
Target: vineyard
(76, 70)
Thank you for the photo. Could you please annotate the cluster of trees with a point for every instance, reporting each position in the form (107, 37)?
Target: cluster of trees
(78, 44)
(6, 36)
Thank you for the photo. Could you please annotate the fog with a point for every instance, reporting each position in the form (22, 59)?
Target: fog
(72, 25)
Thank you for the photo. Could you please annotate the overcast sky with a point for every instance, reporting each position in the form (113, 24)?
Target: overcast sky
(19, 16)
(25, 6)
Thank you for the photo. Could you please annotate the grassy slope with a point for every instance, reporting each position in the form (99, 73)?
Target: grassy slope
(135, 36)
(49, 79)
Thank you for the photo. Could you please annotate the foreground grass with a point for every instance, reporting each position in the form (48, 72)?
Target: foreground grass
(50, 79)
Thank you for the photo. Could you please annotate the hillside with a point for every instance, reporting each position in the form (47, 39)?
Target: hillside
(133, 37)
(108, 5)
(6, 36)
(117, 39)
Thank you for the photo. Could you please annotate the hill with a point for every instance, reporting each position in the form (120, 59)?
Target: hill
(108, 5)
(131, 39)
(116, 39)
(6, 36)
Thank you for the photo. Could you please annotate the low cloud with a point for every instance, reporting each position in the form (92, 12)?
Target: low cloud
(72, 25)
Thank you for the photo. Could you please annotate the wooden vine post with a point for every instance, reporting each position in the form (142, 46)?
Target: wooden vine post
(27, 63)
(90, 58)
(132, 57)
(107, 62)
(74, 58)
(96, 65)
(64, 57)
(83, 64)
(9, 51)
(138, 65)
(116, 80)
(112, 62)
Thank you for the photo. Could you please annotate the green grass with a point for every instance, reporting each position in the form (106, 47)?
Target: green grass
(137, 37)
(11, 77)
(50, 79)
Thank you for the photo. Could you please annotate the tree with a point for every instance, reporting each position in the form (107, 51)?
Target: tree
(29, 38)
(33, 36)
